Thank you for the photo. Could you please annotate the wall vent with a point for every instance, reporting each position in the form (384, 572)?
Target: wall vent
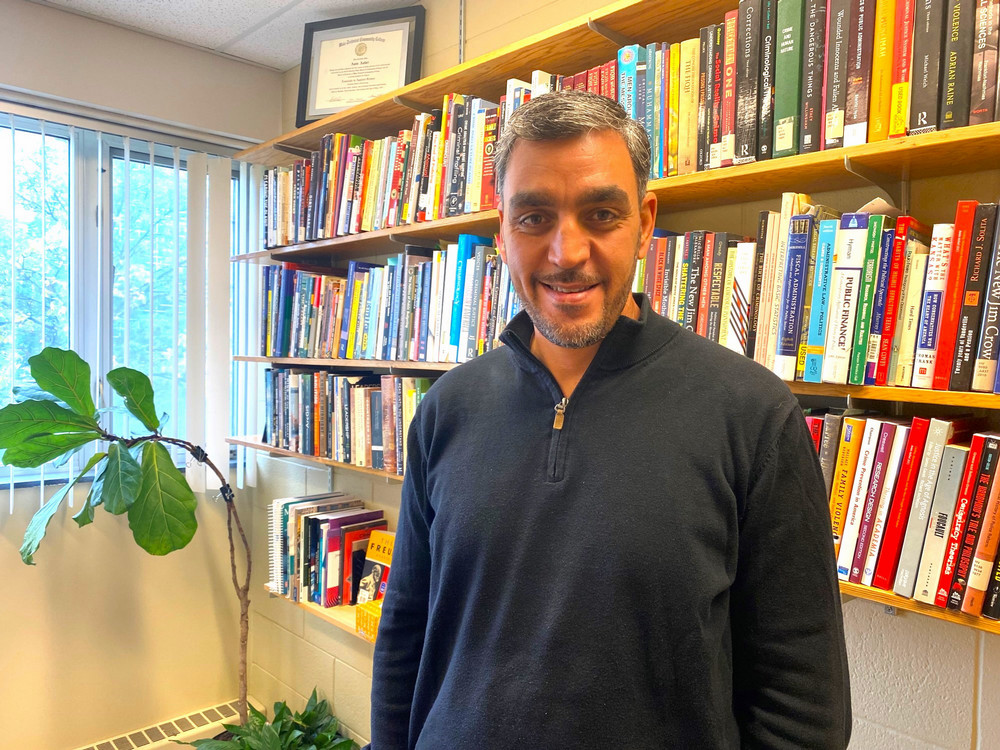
(199, 725)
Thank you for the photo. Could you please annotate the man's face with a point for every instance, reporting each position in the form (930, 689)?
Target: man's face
(572, 228)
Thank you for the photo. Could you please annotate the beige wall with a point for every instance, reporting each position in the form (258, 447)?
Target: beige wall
(52, 52)
(99, 638)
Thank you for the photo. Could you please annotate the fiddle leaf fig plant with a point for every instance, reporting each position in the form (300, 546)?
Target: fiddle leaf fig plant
(134, 475)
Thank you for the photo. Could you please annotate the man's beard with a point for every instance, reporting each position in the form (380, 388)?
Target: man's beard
(578, 335)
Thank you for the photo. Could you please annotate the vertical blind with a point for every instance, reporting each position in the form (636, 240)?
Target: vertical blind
(118, 246)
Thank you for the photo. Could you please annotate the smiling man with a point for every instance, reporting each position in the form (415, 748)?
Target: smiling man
(612, 531)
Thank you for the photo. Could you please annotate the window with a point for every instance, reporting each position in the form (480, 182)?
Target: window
(93, 256)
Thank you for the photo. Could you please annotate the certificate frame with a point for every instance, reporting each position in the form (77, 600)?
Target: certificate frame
(333, 78)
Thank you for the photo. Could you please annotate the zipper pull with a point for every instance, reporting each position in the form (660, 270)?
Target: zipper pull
(557, 423)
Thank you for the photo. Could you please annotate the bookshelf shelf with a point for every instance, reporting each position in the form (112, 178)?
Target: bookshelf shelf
(890, 599)
(272, 450)
(369, 365)
(909, 395)
(343, 617)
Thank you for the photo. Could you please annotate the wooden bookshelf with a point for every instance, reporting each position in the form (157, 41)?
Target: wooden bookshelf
(890, 599)
(909, 395)
(389, 365)
(343, 617)
(272, 450)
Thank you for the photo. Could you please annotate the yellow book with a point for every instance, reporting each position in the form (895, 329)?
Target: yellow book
(882, 58)
(355, 305)
(851, 432)
(687, 111)
(674, 102)
(370, 197)
(378, 560)
(438, 167)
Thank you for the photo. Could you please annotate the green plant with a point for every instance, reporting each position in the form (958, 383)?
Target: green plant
(314, 728)
(134, 475)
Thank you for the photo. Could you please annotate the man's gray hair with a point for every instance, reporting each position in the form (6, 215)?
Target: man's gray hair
(568, 114)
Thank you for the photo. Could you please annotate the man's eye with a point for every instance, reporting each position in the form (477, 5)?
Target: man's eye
(531, 220)
(605, 214)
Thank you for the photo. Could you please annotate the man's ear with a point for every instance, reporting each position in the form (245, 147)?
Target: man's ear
(499, 237)
(647, 221)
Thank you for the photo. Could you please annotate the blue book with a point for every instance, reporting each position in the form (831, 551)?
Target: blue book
(649, 104)
(820, 308)
(628, 82)
(425, 308)
(373, 306)
(878, 305)
(466, 251)
(390, 304)
(800, 230)
(285, 312)
(352, 269)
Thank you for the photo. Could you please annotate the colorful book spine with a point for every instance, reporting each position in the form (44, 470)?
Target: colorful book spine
(983, 95)
(880, 468)
(813, 67)
(902, 57)
(925, 79)
(838, 18)
(956, 70)
(859, 496)
(973, 298)
(788, 77)
(820, 308)
(859, 72)
(951, 304)
(876, 328)
(935, 286)
(881, 515)
(844, 473)
(768, 53)
(848, 269)
(942, 512)
(882, 70)
(747, 81)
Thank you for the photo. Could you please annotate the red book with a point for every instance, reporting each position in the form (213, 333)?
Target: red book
(951, 304)
(970, 538)
(402, 143)
(594, 80)
(701, 326)
(659, 246)
(879, 468)
(985, 555)
(487, 196)
(611, 89)
(815, 425)
(353, 545)
(974, 487)
(580, 81)
(729, 91)
(902, 51)
(896, 268)
(899, 508)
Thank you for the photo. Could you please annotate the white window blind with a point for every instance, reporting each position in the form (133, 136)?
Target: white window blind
(111, 245)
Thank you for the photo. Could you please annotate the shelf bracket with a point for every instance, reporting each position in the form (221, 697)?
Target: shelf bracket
(402, 101)
(300, 152)
(897, 188)
(889, 610)
(610, 34)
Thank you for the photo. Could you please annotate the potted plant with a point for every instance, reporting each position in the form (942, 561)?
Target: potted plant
(133, 474)
(313, 728)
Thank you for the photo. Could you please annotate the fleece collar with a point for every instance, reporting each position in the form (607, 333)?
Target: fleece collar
(629, 342)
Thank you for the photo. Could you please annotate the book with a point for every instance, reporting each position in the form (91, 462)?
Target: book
(768, 53)
(848, 267)
(935, 285)
(813, 67)
(956, 65)
(985, 370)
(911, 299)
(747, 81)
(874, 248)
(899, 507)
(876, 328)
(940, 433)
(925, 80)
(835, 89)
(880, 107)
(870, 447)
(942, 512)
(378, 562)
(859, 72)
(973, 296)
(951, 302)
(829, 443)
(883, 502)
(843, 481)
(820, 307)
(984, 556)
(902, 56)
(800, 233)
(969, 536)
(983, 93)
(788, 77)
(354, 544)
(869, 507)
(975, 484)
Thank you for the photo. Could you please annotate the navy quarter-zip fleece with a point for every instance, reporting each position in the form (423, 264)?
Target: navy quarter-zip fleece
(650, 566)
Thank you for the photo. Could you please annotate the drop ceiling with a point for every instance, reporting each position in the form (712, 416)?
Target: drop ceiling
(266, 32)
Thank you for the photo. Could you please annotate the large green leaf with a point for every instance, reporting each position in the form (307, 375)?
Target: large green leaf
(39, 449)
(85, 515)
(28, 392)
(119, 482)
(30, 418)
(162, 516)
(40, 521)
(137, 391)
(62, 373)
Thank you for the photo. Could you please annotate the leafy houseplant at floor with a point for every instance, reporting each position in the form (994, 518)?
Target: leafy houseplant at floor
(311, 729)
(134, 475)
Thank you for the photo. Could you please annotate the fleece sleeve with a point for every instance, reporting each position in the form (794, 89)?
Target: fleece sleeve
(791, 687)
(404, 612)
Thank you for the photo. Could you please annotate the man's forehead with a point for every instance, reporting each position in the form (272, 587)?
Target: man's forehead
(542, 197)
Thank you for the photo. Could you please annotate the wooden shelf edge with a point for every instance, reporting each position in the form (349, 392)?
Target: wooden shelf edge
(908, 395)
(890, 599)
(342, 616)
(365, 364)
(272, 450)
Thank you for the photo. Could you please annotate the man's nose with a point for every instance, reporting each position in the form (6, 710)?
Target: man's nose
(570, 246)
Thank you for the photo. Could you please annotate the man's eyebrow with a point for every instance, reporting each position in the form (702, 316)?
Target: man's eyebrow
(531, 199)
(604, 194)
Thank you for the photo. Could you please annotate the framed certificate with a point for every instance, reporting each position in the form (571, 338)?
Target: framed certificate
(349, 61)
